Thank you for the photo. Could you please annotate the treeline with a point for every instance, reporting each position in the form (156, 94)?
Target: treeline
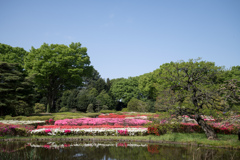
(56, 78)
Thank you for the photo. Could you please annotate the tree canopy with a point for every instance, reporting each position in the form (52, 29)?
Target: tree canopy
(16, 91)
(57, 68)
(192, 88)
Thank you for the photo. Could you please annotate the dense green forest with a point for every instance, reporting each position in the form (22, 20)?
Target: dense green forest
(55, 78)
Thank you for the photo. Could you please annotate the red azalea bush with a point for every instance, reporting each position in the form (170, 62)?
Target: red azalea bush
(161, 129)
(50, 122)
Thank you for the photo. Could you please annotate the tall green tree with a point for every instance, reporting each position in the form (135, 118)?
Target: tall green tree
(57, 68)
(137, 105)
(105, 99)
(12, 54)
(192, 88)
(125, 89)
(16, 91)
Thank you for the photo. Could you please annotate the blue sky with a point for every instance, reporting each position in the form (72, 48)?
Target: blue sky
(128, 37)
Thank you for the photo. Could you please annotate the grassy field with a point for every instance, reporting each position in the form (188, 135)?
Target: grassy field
(54, 116)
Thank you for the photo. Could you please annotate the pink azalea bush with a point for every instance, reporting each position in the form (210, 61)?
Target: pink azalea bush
(67, 131)
(47, 131)
(101, 121)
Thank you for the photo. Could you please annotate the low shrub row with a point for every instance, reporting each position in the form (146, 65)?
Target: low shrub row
(160, 129)
(92, 132)
(14, 130)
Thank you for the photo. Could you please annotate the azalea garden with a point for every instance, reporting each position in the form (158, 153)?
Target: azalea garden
(182, 102)
(121, 124)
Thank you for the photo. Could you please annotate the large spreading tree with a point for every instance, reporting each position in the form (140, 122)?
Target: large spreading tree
(57, 68)
(195, 88)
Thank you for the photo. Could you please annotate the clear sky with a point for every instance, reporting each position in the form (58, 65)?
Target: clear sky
(128, 37)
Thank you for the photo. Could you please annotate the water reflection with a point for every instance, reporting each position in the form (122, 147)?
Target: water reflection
(110, 151)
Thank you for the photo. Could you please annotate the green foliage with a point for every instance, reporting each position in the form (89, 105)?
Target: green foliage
(57, 68)
(146, 85)
(39, 108)
(193, 88)
(92, 115)
(125, 110)
(90, 108)
(12, 55)
(21, 132)
(8, 117)
(84, 99)
(137, 105)
(105, 100)
(64, 109)
(16, 91)
(125, 89)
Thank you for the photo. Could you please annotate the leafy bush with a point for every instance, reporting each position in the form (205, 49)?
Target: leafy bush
(90, 108)
(62, 117)
(8, 117)
(43, 118)
(21, 131)
(64, 109)
(125, 110)
(137, 105)
(160, 129)
(39, 108)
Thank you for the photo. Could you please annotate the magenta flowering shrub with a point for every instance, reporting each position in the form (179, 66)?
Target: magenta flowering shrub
(101, 121)
(123, 132)
(47, 131)
(13, 130)
(67, 131)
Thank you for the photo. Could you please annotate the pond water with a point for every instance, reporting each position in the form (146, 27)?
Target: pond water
(110, 151)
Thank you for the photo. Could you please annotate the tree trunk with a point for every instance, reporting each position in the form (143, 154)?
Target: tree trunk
(209, 131)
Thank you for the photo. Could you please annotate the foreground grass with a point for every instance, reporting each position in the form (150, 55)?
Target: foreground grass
(229, 141)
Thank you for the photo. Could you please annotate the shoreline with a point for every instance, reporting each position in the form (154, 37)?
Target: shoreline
(114, 139)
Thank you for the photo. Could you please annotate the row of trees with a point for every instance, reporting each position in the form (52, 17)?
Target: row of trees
(61, 78)
(51, 69)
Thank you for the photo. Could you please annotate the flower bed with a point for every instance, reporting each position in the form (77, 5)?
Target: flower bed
(101, 121)
(85, 126)
(16, 122)
(92, 132)
(191, 128)
(13, 130)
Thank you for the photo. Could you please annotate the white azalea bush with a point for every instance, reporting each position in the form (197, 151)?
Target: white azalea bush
(92, 132)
